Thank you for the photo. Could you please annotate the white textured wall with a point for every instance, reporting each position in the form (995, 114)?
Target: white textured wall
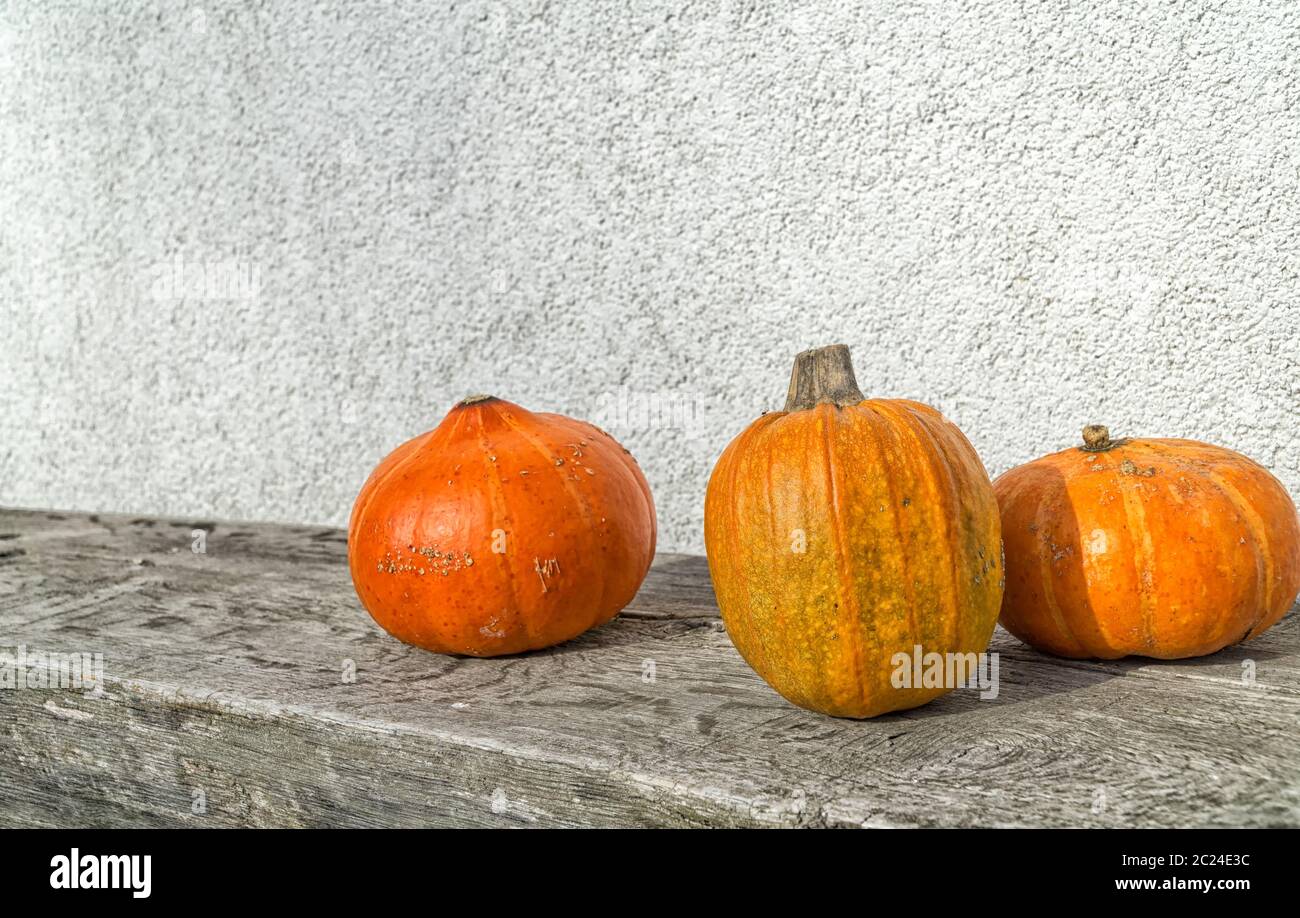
(1028, 215)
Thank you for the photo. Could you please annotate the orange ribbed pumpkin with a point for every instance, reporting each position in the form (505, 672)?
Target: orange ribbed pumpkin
(843, 532)
(501, 531)
(1155, 548)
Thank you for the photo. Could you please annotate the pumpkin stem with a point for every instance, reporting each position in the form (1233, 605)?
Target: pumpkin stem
(824, 374)
(1096, 438)
(474, 400)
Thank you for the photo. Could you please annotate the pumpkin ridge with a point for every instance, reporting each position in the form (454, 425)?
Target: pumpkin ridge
(755, 639)
(1144, 562)
(372, 489)
(1262, 549)
(377, 485)
(628, 461)
(728, 533)
(548, 461)
(493, 477)
(418, 522)
(1049, 592)
(781, 620)
(881, 685)
(1262, 545)
(950, 499)
(582, 429)
(372, 485)
(874, 407)
(588, 517)
(843, 572)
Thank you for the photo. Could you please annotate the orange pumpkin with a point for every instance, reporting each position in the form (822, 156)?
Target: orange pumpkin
(845, 533)
(501, 531)
(1156, 548)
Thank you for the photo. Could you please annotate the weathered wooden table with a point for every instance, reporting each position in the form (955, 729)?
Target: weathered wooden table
(229, 700)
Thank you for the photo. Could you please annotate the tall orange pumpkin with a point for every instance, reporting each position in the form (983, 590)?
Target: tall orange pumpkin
(501, 531)
(844, 534)
(1155, 548)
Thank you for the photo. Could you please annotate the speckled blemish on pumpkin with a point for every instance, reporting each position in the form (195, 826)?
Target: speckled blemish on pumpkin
(394, 563)
(443, 562)
(1128, 468)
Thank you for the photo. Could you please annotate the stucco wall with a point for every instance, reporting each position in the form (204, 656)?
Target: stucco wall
(1026, 215)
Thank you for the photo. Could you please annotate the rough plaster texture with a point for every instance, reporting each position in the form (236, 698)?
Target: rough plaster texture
(1029, 215)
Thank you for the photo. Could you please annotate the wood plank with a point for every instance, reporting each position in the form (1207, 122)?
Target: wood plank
(225, 675)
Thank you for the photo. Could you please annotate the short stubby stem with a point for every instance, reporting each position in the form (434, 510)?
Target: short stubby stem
(1096, 438)
(824, 374)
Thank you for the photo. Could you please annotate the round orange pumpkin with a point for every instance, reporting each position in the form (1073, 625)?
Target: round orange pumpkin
(501, 531)
(1155, 548)
(845, 534)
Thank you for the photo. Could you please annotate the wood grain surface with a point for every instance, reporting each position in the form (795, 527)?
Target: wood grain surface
(227, 702)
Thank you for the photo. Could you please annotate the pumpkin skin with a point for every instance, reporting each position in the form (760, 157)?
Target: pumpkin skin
(900, 532)
(1155, 548)
(501, 531)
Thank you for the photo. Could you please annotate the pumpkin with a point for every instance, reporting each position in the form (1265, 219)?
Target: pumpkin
(845, 535)
(500, 531)
(1155, 548)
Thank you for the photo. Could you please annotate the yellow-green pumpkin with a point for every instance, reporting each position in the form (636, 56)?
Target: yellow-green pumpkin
(844, 533)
